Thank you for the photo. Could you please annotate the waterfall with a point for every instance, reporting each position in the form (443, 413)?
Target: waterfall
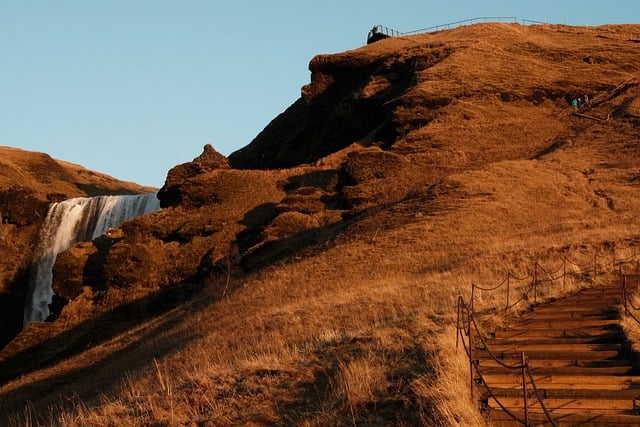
(76, 220)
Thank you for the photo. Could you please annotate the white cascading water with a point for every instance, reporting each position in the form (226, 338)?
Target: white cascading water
(71, 221)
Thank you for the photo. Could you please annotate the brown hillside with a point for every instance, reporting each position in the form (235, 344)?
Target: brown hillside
(320, 265)
(29, 182)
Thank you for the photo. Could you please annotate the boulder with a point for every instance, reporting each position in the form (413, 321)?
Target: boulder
(209, 160)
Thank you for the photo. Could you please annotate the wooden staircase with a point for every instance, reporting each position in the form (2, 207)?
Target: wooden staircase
(582, 365)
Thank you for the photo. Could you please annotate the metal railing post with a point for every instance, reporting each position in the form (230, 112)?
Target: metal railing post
(508, 285)
(524, 389)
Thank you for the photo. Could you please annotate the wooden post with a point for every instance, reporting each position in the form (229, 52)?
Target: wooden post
(613, 254)
(508, 285)
(470, 357)
(524, 389)
(473, 289)
(535, 283)
(564, 274)
(624, 293)
(458, 323)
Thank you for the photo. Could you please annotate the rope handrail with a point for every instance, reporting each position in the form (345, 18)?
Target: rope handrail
(549, 272)
(474, 286)
(633, 316)
(522, 279)
(593, 267)
(630, 302)
(518, 301)
(627, 300)
(474, 365)
(488, 350)
(467, 315)
(539, 398)
(495, 399)
(578, 264)
(552, 278)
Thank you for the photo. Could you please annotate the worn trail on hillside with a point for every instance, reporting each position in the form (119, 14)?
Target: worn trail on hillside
(579, 357)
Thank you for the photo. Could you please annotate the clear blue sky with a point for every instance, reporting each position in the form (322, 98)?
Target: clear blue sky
(132, 88)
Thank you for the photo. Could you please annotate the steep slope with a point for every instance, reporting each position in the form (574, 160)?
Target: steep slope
(29, 182)
(329, 250)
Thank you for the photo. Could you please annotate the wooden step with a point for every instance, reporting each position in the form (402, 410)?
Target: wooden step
(568, 405)
(564, 370)
(571, 314)
(523, 346)
(566, 323)
(579, 359)
(592, 301)
(501, 419)
(515, 332)
(598, 339)
(556, 363)
(563, 393)
(602, 382)
(549, 354)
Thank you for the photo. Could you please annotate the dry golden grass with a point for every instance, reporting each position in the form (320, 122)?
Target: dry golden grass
(320, 341)
(360, 329)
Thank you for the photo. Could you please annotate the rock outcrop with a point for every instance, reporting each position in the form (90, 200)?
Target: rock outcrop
(207, 206)
(467, 132)
(29, 182)
(374, 127)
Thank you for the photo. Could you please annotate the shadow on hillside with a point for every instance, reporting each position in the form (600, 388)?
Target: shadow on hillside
(403, 365)
(317, 179)
(92, 333)
(304, 242)
(12, 307)
(555, 145)
(333, 119)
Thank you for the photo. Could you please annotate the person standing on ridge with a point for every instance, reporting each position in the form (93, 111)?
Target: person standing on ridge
(372, 34)
(375, 35)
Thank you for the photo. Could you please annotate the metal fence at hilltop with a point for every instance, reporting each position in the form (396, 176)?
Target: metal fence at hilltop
(484, 19)
(607, 33)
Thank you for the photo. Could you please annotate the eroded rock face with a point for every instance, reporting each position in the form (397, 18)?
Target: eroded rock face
(20, 206)
(415, 136)
(338, 108)
(171, 194)
(374, 127)
(29, 182)
(207, 206)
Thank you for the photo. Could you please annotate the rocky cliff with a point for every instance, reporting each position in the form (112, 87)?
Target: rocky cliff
(463, 142)
(29, 182)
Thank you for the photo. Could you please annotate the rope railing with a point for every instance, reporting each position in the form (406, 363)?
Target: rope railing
(539, 397)
(603, 97)
(630, 308)
(465, 311)
(467, 321)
